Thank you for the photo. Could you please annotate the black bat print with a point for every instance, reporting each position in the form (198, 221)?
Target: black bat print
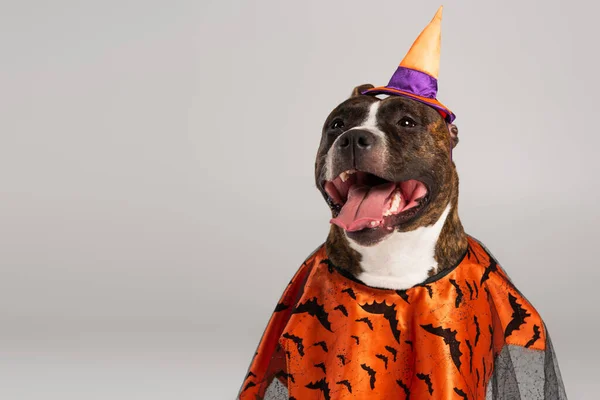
(484, 370)
(403, 295)
(408, 342)
(285, 375)
(314, 309)
(470, 355)
(449, 338)
(477, 330)
(477, 373)
(429, 290)
(493, 267)
(472, 253)
(350, 292)
(491, 337)
(322, 366)
(323, 345)
(356, 338)
(342, 309)
(470, 290)
(425, 378)
(476, 289)
(382, 358)
(388, 312)
(459, 293)
(518, 316)
(345, 383)
(297, 341)
(250, 374)
(321, 385)
(248, 386)
(330, 266)
(536, 336)
(371, 373)
(281, 307)
(461, 393)
(404, 388)
(367, 321)
(342, 358)
(392, 351)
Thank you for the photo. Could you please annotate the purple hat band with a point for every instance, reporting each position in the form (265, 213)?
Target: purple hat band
(413, 81)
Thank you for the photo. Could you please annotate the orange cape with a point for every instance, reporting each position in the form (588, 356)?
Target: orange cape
(465, 333)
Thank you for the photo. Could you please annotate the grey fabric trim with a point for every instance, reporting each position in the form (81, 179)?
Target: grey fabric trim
(276, 391)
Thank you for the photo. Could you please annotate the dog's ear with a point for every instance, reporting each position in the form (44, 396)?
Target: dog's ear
(453, 134)
(361, 88)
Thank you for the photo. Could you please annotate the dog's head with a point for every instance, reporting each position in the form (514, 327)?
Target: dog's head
(385, 165)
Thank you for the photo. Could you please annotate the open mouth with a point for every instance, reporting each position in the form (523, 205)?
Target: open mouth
(363, 200)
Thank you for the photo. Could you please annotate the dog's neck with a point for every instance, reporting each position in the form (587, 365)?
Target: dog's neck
(403, 259)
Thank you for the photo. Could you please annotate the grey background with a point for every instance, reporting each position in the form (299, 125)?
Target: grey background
(156, 174)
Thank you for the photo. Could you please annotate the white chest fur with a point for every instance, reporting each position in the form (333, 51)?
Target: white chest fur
(403, 259)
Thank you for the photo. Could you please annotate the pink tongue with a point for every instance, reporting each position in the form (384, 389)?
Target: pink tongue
(364, 205)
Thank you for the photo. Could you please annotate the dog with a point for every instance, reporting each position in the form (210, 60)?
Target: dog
(399, 302)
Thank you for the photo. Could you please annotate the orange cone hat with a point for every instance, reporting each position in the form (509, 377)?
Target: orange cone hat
(416, 76)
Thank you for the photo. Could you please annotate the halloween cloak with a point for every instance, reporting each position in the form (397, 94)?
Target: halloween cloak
(465, 333)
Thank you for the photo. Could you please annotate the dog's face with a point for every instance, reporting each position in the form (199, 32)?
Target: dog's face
(385, 165)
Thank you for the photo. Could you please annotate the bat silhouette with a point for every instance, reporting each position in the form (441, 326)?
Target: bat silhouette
(250, 374)
(321, 385)
(371, 373)
(345, 383)
(484, 370)
(470, 355)
(342, 358)
(297, 341)
(536, 336)
(425, 378)
(403, 295)
(330, 266)
(471, 253)
(491, 337)
(470, 290)
(461, 393)
(285, 375)
(429, 290)
(323, 346)
(383, 358)
(248, 386)
(404, 388)
(314, 309)
(493, 267)
(281, 307)
(350, 292)
(342, 309)
(355, 338)
(476, 289)
(477, 373)
(477, 330)
(408, 342)
(367, 321)
(388, 312)
(392, 351)
(459, 293)
(449, 338)
(322, 366)
(518, 316)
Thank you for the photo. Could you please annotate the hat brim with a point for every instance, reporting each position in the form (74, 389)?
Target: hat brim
(442, 109)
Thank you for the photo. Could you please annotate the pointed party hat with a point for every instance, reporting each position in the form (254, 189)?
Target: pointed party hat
(416, 76)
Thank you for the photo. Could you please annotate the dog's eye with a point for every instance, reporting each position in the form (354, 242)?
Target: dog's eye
(407, 122)
(337, 124)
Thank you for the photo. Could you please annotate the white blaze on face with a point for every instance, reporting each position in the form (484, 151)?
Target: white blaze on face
(370, 124)
(402, 259)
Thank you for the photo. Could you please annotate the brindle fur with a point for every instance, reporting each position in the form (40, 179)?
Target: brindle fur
(423, 153)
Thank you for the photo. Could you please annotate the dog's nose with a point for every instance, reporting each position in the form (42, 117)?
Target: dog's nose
(359, 139)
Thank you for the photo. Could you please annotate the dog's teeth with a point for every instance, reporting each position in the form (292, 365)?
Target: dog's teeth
(396, 200)
(344, 176)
